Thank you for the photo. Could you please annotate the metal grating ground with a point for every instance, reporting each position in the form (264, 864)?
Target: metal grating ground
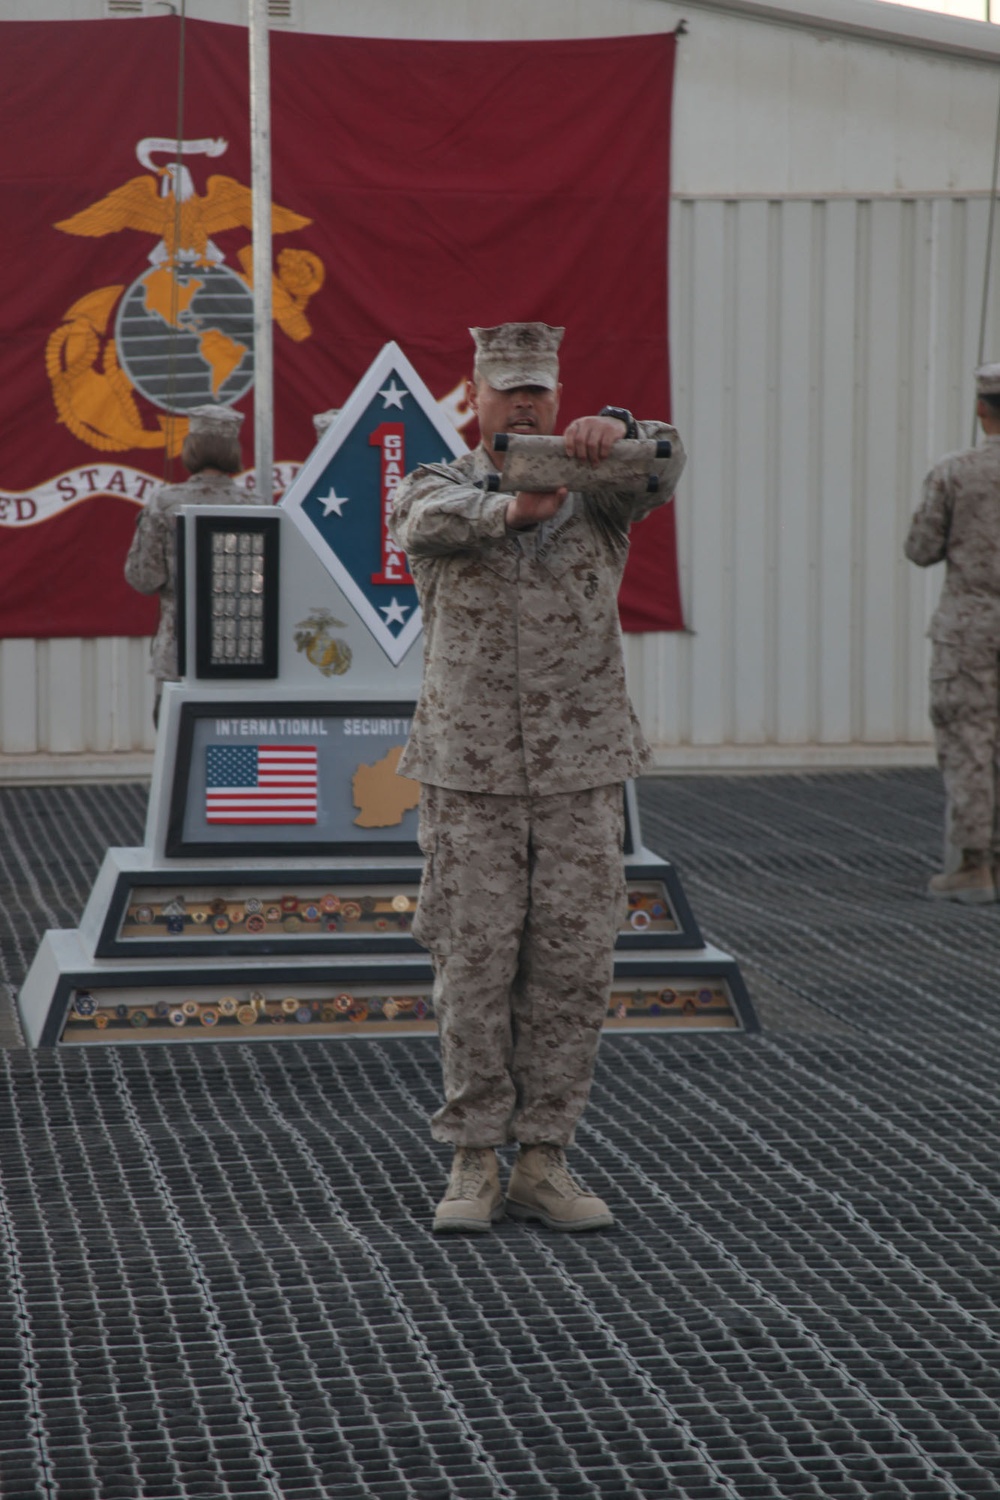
(217, 1280)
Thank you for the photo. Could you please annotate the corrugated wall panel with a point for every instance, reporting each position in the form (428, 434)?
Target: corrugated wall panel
(794, 332)
(747, 399)
(822, 357)
(835, 574)
(75, 697)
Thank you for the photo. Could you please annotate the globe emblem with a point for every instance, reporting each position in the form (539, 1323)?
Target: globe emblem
(185, 336)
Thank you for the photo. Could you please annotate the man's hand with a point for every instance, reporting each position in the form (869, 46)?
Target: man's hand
(592, 438)
(527, 508)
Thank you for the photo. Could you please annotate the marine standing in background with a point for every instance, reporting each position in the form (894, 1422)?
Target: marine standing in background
(958, 523)
(522, 739)
(211, 454)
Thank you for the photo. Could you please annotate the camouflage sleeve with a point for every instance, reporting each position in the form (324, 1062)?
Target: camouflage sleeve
(146, 564)
(436, 511)
(622, 507)
(927, 539)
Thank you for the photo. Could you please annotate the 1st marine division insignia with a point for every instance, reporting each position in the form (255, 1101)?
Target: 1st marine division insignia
(332, 656)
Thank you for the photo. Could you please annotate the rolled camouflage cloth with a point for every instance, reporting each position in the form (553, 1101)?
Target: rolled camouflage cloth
(539, 464)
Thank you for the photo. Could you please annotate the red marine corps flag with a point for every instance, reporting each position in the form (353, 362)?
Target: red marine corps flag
(420, 189)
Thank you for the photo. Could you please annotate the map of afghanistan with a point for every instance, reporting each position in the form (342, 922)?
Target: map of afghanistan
(383, 796)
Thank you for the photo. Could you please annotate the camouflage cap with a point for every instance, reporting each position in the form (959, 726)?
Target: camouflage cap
(322, 420)
(516, 354)
(988, 380)
(215, 419)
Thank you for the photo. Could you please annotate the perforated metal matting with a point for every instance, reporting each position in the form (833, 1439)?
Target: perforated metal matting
(217, 1277)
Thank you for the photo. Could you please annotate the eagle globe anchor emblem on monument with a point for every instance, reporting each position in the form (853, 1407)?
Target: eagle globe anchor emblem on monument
(181, 334)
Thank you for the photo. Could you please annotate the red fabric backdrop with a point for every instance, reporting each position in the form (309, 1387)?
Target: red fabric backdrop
(446, 185)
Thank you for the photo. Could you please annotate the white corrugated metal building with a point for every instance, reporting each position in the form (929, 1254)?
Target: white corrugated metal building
(832, 167)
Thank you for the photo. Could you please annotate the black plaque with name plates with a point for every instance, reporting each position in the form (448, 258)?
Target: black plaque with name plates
(236, 574)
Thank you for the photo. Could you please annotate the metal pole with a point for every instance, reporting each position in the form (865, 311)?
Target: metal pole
(260, 169)
(989, 262)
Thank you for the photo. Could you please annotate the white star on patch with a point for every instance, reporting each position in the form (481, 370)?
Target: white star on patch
(333, 501)
(395, 613)
(393, 395)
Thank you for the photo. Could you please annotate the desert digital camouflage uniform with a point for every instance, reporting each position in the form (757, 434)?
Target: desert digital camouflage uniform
(522, 738)
(150, 565)
(959, 523)
(524, 678)
(521, 902)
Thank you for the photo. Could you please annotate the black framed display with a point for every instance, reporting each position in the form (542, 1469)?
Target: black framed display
(659, 916)
(682, 992)
(236, 596)
(180, 585)
(136, 1005)
(205, 1004)
(268, 776)
(195, 913)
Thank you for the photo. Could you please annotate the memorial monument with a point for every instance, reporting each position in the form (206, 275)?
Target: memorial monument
(274, 891)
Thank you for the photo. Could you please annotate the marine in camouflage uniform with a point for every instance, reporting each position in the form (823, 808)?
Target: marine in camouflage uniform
(211, 454)
(958, 523)
(522, 738)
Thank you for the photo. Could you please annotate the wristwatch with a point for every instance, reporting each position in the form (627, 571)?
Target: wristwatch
(621, 414)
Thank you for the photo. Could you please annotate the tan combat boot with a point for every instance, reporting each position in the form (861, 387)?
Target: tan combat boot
(972, 883)
(541, 1187)
(473, 1200)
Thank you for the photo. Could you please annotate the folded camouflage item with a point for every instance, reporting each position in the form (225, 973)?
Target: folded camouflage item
(538, 464)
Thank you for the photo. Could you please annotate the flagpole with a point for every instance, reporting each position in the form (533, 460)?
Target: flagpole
(260, 170)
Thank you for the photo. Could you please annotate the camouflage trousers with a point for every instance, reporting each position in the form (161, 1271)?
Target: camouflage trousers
(965, 712)
(520, 904)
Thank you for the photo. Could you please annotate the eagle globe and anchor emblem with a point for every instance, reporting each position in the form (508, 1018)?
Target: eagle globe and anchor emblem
(326, 651)
(181, 334)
